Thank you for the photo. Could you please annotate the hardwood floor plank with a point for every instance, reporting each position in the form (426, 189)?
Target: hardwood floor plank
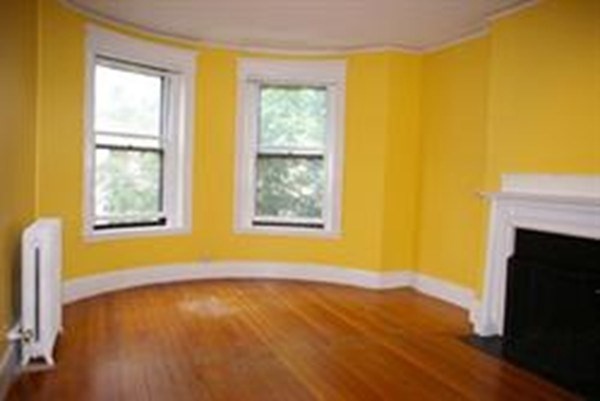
(268, 340)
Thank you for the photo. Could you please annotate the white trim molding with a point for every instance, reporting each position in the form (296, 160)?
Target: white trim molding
(585, 186)
(444, 290)
(90, 286)
(478, 32)
(561, 204)
(9, 368)
(510, 10)
(252, 74)
(177, 66)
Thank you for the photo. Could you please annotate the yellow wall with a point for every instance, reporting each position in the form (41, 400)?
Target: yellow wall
(454, 98)
(366, 125)
(524, 100)
(370, 125)
(423, 134)
(544, 107)
(60, 148)
(402, 165)
(18, 38)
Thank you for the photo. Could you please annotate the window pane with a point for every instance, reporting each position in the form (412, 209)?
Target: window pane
(128, 185)
(290, 187)
(293, 116)
(126, 102)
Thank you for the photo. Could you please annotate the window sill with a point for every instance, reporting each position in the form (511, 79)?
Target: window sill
(288, 232)
(132, 233)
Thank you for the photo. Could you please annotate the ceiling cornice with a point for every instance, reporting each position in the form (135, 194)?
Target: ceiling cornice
(508, 11)
(465, 37)
(483, 30)
(469, 34)
(95, 16)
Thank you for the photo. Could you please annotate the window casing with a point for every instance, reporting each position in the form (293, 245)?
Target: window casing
(290, 139)
(139, 122)
(130, 154)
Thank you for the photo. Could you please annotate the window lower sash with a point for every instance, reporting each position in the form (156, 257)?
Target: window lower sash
(143, 221)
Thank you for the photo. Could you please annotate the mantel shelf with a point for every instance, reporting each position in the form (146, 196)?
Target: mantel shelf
(541, 198)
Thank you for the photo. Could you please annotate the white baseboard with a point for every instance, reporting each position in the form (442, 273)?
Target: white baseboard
(444, 290)
(395, 279)
(9, 366)
(85, 287)
(474, 313)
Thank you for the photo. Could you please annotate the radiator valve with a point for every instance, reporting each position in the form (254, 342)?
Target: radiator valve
(27, 336)
(20, 334)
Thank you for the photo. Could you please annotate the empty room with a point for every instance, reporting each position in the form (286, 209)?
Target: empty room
(257, 200)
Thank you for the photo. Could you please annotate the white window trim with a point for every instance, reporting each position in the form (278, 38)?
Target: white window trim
(106, 43)
(332, 74)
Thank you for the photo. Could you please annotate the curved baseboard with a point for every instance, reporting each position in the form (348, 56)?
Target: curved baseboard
(89, 286)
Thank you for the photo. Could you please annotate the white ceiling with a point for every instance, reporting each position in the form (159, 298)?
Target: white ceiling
(306, 25)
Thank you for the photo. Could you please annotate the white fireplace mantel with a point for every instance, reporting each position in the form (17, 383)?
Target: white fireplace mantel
(559, 204)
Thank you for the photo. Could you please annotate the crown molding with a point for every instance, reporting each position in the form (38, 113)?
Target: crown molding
(477, 33)
(469, 33)
(196, 43)
(480, 31)
(510, 10)
(129, 27)
(331, 52)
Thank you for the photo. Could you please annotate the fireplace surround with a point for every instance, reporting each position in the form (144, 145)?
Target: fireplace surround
(561, 204)
(536, 221)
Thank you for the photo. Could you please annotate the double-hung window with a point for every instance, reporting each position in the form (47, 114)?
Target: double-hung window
(130, 110)
(139, 119)
(290, 146)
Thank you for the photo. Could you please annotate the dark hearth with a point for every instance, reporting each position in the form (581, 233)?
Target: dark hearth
(552, 318)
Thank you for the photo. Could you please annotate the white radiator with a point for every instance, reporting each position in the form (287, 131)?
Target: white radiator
(41, 306)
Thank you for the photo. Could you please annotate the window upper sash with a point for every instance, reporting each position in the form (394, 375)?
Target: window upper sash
(165, 78)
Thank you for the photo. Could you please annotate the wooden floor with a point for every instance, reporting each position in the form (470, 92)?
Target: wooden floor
(253, 340)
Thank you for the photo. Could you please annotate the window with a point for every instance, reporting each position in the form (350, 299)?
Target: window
(290, 146)
(140, 105)
(129, 140)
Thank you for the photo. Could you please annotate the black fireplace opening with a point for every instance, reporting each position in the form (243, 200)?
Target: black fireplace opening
(552, 309)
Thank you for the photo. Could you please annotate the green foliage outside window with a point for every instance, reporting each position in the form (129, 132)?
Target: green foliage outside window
(127, 183)
(293, 117)
(289, 183)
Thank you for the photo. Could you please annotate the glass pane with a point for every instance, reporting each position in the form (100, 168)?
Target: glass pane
(126, 102)
(290, 187)
(293, 116)
(128, 185)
